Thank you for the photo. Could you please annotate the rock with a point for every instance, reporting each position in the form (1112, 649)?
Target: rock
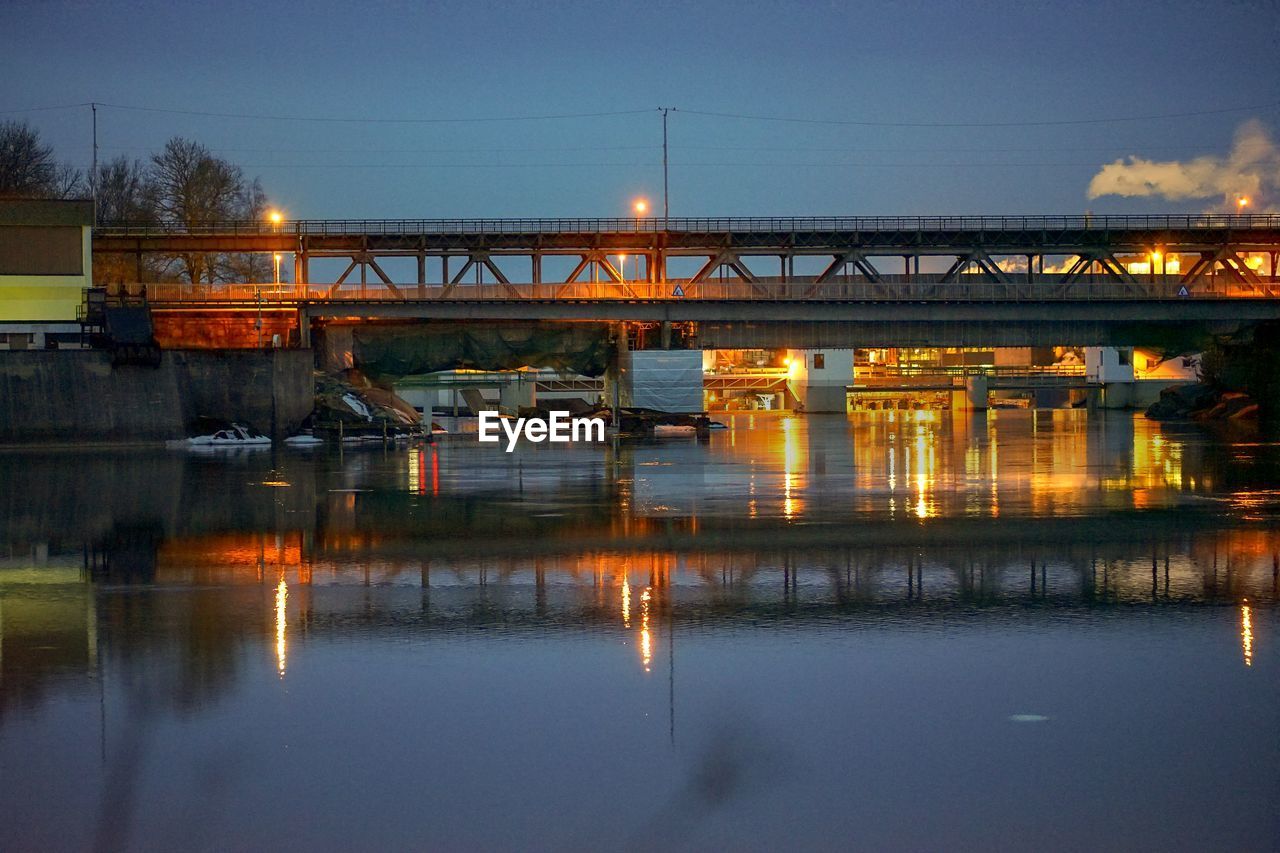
(360, 405)
(1180, 401)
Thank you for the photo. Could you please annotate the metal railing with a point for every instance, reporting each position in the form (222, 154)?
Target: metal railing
(1169, 288)
(1011, 372)
(940, 377)
(697, 225)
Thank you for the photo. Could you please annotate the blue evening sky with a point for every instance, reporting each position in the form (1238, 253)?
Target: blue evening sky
(905, 62)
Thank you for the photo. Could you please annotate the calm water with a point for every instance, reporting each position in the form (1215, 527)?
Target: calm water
(1020, 631)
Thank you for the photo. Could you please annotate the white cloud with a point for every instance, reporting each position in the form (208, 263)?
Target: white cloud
(1252, 170)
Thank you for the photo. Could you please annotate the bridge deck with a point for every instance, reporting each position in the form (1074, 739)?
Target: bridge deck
(889, 289)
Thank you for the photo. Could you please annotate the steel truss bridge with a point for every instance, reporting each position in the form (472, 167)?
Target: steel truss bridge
(748, 251)
(869, 281)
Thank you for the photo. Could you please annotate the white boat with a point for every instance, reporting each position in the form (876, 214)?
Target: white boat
(236, 435)
(303, 440)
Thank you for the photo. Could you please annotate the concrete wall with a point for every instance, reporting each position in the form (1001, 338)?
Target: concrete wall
(1108, 364)
(820, 388)
(77, 396)
(274, 390)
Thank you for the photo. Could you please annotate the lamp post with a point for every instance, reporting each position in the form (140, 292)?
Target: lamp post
(275, 217)
(641, 208)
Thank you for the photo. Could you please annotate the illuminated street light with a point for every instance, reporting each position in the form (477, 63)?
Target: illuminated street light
(641, 206)
(622, 267)
(1242, 202)
(277, 260)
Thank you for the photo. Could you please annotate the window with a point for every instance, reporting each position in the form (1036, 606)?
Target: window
(1125, 356)
(820, 361)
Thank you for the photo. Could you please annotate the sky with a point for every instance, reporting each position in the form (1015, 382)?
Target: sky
(904, 108)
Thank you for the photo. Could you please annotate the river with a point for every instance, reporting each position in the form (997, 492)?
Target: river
(1014, 630)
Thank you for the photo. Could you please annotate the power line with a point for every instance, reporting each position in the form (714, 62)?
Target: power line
(469, 149)
(354, 120)
(674, 164)
(46, 109)
(978, 124)
(897, 149)
(691, 112)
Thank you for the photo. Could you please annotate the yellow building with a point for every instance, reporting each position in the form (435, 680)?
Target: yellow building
(46, 263)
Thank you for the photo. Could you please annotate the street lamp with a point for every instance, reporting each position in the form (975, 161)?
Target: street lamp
(641, 207)
(622, 267)
(1242, 202)
(276, 255)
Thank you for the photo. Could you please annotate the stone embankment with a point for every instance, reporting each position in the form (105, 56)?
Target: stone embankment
(81, 397)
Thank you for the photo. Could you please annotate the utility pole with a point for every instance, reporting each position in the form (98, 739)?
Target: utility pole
(93, 175)
(666, 209)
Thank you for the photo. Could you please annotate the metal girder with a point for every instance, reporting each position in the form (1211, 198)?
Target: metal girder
(1078, 268)
(724, 258)
(1193, 272)
(858, 259)
(1236, 265)
(457, 279)
(990, 267)
(713, 263)
(342, 278)
(578, 270)
(386, 279)
(949, 277)
(1116, 269)
(493, 268)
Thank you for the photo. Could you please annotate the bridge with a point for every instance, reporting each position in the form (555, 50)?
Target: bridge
(1042, 378)
(802, 282)
(480, 248)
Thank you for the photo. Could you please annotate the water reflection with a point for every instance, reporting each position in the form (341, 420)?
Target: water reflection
(794, 561)
(282, 601)
(1246, 633)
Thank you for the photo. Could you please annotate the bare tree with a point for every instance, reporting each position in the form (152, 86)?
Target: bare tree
(252, 267)
(124, 192)
(191, 188)
(28, 168)
(125, 195)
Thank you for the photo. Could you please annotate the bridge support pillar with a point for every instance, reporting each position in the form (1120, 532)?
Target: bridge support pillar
(518, 394)
(818, 379)
(613, 375)
(1117, 395)
(974, 396)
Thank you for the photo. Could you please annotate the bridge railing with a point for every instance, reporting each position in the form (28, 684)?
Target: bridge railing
(1004, 371)
(676, 291)
(632, 225)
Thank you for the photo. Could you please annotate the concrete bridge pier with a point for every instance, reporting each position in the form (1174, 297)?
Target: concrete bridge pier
(1088, 398)
(818, 379)
(973, 398)
(517, 394)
